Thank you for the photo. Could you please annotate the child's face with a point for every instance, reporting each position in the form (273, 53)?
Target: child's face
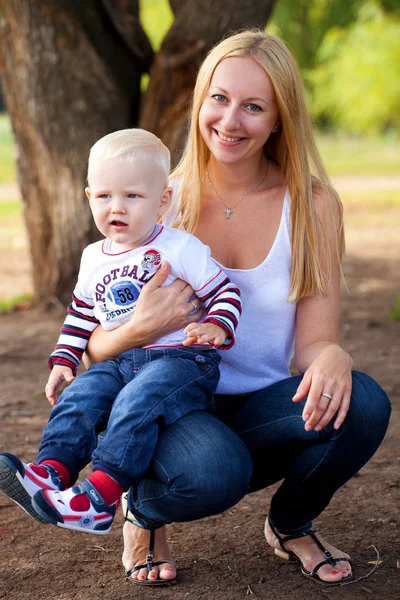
(126, 199)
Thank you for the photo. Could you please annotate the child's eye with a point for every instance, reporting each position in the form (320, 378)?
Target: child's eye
(254, 107)
(133, 195)
(219, 97)
(104, 196)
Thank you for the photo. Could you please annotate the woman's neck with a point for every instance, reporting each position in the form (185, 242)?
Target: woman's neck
(236, 177)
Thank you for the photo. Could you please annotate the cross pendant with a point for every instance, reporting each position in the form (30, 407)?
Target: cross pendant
(228, 212)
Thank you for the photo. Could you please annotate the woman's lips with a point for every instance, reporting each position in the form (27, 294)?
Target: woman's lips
(227, 140)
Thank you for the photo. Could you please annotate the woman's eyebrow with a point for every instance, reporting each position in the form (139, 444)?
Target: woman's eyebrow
(251, 99)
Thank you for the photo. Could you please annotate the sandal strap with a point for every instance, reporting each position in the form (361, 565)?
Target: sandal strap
(283, 539)
(134, 569)
(328, 561)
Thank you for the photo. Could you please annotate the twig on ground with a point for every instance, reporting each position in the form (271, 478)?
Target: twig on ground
(370, 572)
(249, 591)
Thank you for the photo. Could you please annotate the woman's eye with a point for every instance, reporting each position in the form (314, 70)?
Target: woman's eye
(219, 97)
(254, 107)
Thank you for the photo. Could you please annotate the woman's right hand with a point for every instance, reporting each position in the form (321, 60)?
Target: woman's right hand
(159, 311)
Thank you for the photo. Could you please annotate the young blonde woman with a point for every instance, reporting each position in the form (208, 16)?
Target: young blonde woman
(251, 185)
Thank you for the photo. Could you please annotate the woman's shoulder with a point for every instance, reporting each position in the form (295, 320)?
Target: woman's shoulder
(326, 201)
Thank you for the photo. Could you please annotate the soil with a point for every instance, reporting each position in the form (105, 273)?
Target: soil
(223, 557)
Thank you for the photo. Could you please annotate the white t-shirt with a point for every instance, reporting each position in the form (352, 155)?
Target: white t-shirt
(265, 339)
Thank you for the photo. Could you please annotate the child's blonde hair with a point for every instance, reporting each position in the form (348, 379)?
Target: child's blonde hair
(128, 144)
(292, 147)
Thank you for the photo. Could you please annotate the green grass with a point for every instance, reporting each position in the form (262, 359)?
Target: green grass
(352, 156)
(375, 208)
(7, 169)
(9, 209)
(17, 302)
(373, 200)
(395, 313)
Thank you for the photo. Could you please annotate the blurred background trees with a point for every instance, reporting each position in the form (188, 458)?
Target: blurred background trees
(72, 71)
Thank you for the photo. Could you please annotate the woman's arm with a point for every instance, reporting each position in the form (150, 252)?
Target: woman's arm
(159, 310)
(326, 366)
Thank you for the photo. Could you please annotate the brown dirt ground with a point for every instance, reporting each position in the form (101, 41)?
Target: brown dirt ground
(223, 557)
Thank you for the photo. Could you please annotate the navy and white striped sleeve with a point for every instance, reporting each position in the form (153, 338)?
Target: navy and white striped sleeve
(223, 305)
(75, 333)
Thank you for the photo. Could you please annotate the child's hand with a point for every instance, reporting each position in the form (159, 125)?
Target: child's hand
(58, 375)
(201, 333)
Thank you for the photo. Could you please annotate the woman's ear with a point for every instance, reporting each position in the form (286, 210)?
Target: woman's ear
(165, 200)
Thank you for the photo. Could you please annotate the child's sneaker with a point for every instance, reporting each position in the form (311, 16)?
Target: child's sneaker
(88, 513)
(20, 482)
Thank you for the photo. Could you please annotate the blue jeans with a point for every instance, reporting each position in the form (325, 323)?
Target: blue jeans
(131, 397)
(206, 462)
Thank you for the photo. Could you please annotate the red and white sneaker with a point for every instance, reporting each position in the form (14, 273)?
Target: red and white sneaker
(20, 482)
(58, 509)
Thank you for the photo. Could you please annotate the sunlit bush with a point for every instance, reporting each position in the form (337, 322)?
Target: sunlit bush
(356, 84)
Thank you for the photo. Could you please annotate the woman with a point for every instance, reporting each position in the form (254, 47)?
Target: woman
(244, 187)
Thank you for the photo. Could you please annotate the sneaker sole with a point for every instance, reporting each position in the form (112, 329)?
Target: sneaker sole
(11, 484)
(51, 515)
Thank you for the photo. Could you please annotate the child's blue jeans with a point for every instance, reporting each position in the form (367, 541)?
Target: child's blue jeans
(131, 398)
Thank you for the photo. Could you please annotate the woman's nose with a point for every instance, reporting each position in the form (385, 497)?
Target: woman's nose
(230, 119)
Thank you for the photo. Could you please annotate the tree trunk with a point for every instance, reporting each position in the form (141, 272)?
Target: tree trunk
(198, 25)
(71, 73)
(68, 78)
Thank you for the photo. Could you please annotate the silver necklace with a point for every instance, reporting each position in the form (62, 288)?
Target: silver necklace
(229, 209)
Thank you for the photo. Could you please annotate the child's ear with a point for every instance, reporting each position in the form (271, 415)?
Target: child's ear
(87, 192)
(165, 200)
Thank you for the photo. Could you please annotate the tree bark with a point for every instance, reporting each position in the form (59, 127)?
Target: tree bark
(198, 25)
(68, 78)
(71, 73)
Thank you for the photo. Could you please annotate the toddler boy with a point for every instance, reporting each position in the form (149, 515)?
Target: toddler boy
(144, 387)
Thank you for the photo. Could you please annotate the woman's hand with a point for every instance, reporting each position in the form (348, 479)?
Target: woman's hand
(330, 374)
(159, 310)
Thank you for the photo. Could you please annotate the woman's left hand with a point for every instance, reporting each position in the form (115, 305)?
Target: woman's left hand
(327, 382)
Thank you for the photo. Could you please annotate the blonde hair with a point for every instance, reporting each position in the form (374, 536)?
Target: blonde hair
(129, 144)
(292, 147)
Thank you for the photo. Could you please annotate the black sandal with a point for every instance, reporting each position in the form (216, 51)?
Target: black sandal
(289, 555)
(149, 563)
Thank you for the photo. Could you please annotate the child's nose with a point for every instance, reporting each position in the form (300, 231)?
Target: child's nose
(118, 205)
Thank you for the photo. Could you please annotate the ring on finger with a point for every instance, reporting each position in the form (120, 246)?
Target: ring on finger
(327, 395)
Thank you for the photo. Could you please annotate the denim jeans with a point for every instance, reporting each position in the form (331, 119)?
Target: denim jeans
(206, 462)
(131, 397)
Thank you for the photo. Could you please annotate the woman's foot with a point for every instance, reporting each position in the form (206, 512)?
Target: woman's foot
(136, 547)
(310, 555)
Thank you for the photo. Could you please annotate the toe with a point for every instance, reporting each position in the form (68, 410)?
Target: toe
(153, 574)
(167, 571)
(330, 573)
(142, 574)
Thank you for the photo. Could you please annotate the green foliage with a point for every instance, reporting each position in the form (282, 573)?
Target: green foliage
(304, 23)
(357, 82)
(7, 170)
(156, 18)
(395, 313)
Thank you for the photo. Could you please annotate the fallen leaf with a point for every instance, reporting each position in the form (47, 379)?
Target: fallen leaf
(375, 562)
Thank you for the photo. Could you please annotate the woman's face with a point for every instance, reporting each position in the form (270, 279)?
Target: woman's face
(239, 111)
